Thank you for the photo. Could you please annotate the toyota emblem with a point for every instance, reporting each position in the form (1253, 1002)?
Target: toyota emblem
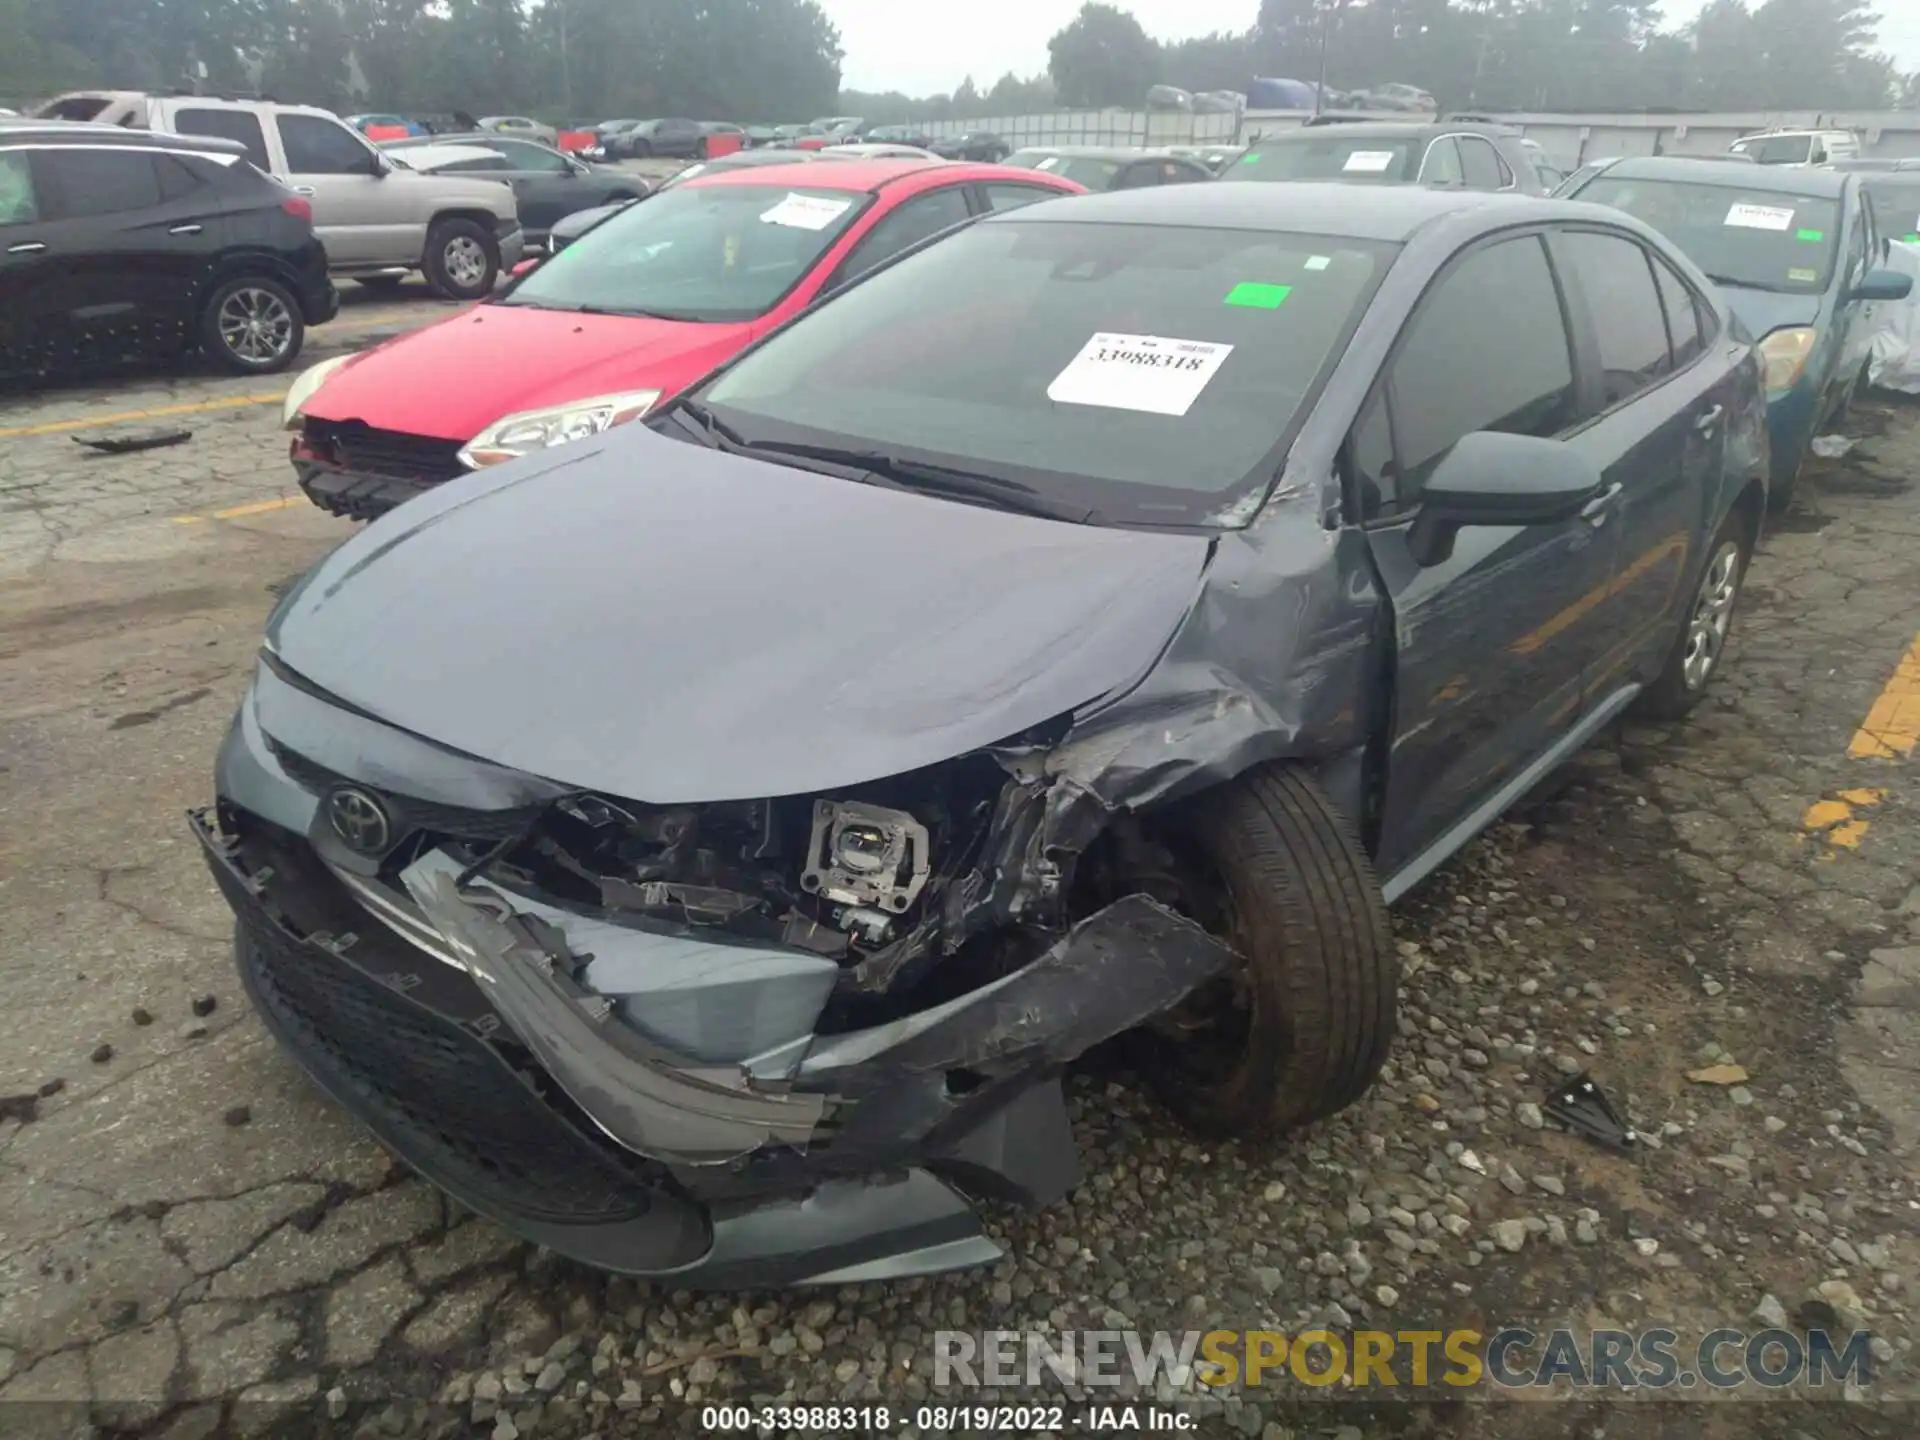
(359, 820)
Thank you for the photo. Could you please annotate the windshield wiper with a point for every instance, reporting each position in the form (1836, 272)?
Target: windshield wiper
(920, 477)
(711, 427)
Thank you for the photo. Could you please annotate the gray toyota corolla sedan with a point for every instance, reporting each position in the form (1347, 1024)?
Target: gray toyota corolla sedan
(702, 847)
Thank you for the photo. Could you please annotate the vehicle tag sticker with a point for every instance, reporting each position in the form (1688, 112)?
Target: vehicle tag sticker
(806, 212)
(1318, 262)
(1369, 162)
(1150, 373)
(1252, 157)
(1258, 296)
(1812, 237)
(1048, 163)
(1805, 277)
(1760, 217)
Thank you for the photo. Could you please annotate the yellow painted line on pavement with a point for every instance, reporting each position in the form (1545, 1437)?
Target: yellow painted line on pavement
(1892, 727)
(197, 407)
(258, 507)
(1836, 821)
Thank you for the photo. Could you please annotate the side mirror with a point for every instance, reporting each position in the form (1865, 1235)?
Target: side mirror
(1882, 285)
(1490, 478)
(378, 166)
(526, 266)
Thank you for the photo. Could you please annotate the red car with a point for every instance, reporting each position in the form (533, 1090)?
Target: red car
(629, 314)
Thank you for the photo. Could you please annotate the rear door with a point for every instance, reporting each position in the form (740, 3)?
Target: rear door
(358, 213)
(128, 245)
(1656, 432)
(907, 223)
(1492, 645)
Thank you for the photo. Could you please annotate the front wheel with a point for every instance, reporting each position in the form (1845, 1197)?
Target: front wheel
(252, 326)
(1303, 1027)
(462, 259)
(1702, 641)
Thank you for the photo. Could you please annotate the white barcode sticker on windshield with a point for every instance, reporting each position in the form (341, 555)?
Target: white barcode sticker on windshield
(806, 212)
(1760, 217)
(1139, 372)
(1369, 162)
(1048, 163)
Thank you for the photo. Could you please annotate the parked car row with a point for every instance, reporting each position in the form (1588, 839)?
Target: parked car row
(866, 631)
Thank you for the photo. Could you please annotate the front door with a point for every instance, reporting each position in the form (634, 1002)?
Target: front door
(1492, 645)
(354, 201)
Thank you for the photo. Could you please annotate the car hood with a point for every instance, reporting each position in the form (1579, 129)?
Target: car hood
(454, 378)
(1764, 311)
(647, 618)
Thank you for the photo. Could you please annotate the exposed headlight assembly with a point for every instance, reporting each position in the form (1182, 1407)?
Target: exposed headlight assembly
(305, 386)
(1786, 352)
(512, 436)
(866, 857)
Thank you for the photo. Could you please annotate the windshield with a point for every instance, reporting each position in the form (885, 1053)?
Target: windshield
(1148, 374)
(709, 253)
(1087, 170)
(1896, 207)
(1777, 149)
(1759, 239)
(1367, 159)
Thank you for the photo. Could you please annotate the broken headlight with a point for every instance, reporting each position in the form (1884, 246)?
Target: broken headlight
(871, 860)
(525, 431)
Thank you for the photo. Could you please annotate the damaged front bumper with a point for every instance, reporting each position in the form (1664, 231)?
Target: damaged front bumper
(645, 1099)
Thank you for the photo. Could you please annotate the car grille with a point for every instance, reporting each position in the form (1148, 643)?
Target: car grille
(431, 1084)
(366, 450)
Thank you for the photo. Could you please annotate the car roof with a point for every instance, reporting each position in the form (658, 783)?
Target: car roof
(1390, 130)
(856, 175)
(82, 132)
(1358, 212)
(1777, 179)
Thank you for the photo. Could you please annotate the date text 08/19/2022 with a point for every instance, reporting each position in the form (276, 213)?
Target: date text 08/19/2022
(939, 1419)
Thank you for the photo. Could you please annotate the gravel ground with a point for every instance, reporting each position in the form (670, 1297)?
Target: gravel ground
(189, 1239)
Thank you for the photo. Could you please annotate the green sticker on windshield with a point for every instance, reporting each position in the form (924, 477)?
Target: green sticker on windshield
(1257, 296)
(1914, 239)
(1812, 237)
(1250, 158)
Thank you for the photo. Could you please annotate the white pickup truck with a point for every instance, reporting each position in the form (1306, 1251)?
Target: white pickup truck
(378, 219)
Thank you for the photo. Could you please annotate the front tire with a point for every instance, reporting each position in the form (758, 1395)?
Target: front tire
(462, 259)
(252, 326)
(1701, 644)
(1318, 987)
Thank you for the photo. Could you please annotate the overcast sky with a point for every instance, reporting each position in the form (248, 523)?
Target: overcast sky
(926, 50)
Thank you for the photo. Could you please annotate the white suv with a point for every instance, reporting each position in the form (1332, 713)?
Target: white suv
(377, 219)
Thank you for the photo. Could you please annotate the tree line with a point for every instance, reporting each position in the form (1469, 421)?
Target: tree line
(779, 60)
(1578, 55)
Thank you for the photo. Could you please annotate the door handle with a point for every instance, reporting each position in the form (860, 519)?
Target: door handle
(1596, 510)
(184, 230)
(1704, 422)
(27, 247)
(303, 189)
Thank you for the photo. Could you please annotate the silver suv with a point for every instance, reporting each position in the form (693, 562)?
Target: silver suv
(377, 219)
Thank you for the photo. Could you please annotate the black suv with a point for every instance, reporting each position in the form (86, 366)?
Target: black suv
(119, 244)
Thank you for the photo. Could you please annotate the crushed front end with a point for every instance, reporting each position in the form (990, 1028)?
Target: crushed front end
(773, 1041)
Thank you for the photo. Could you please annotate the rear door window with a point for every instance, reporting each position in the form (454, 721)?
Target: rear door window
(77, 183)
(1442, 165)
(241, 125)
(1683, 313)
(1628, 320)
(1012, 197)
(1482, 166)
